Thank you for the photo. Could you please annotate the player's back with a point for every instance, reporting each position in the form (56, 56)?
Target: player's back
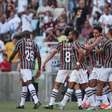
(26, 48)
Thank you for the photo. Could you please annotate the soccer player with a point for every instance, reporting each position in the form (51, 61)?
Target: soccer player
(106, 75)
(77, 78)
(28, 52)
(108, 66)
(97, 75)
(67, 60)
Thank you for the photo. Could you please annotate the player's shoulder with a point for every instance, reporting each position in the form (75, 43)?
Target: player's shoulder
(61, 43)
(106, 40)
(77, 42)
(20, 41)
(109, 41)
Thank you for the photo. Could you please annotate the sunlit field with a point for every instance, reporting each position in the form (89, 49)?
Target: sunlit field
(71, 107)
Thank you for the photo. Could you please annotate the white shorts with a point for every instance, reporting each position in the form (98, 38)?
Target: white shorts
(79, 76)
(62, 75)
(104, 74)
(108, 74)
(26, 74)
(96, 73)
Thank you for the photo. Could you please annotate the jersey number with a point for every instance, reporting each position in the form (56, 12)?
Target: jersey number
(67, 57)
(29, 55)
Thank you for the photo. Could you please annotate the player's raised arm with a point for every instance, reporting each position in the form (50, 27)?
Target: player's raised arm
(51, 54)
(97, 33)
(91, 46)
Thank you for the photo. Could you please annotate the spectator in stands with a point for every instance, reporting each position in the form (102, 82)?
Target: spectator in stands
(50, 36)
(98, 6)
(14, 22)
(104, 20)
(2, 6)
(10, 47)
(34, 4)
(2, 49)
(94, 19)
(48, 22)
(22, 5)
(5, 66)
(26, 20)
(60, 36)
(81, 13)
(86, 30)
(10, 8)
(4, 27)
(71, 5)
(52, 3)
(62, 22)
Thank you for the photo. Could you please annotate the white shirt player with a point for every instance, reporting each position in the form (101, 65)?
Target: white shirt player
(27, 22)
(105, 21)
(4, 27)
(22, 5)
(14, 23)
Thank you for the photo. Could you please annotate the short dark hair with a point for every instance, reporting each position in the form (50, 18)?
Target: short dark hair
(26, 34)
(17, 36)
(99, 28)
(67, 30)
(76, 33)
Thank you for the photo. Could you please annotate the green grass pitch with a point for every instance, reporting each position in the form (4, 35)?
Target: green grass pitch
(71, 107)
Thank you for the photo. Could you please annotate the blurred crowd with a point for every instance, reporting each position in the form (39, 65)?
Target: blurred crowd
(51, 19)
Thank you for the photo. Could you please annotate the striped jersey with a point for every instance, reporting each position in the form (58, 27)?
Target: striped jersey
(91, 57)
(108, 53)
(100, 56)
(97, 59)
(28, 52)
(68, 54)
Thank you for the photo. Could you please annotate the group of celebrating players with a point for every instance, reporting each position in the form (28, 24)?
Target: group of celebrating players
(87, 66)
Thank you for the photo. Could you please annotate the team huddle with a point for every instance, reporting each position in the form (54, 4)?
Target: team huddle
(76, 59)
